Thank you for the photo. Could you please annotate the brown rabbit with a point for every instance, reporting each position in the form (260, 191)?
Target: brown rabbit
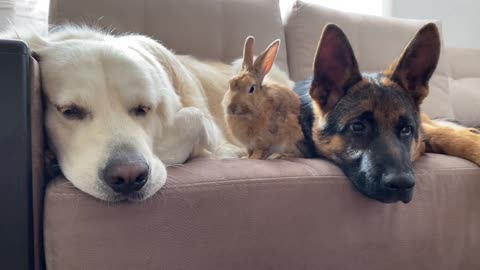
(263, 115)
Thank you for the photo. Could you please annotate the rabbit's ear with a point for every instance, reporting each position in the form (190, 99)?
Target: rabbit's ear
(265, 60)
(248, 53)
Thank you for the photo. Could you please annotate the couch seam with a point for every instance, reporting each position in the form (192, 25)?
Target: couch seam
(246, 181)
(308, 179)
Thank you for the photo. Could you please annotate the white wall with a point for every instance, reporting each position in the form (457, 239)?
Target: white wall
(460, 18)
(30, 14)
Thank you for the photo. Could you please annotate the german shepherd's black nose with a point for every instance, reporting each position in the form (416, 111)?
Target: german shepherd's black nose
(399, 181)
(126, 177)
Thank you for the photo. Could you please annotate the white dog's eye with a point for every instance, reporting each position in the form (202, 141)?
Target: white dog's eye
(73, 112)
(140, 111)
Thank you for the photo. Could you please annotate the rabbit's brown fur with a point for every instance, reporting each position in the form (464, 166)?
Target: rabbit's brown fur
(264, 120)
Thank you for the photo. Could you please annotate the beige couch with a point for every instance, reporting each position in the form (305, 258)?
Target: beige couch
(282, 214)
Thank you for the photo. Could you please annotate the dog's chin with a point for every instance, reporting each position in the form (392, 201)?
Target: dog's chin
(99, 190)
(104, 193)
(384, 195)
(405, 197)
(387, 196)
(138, 196)
(141, 195)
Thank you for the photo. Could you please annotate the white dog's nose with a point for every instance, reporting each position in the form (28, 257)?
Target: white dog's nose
(128, 177)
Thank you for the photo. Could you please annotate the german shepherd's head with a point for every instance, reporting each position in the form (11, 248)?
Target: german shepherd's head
(369, 125)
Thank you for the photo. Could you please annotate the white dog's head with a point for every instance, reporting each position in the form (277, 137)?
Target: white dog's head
(106, 99)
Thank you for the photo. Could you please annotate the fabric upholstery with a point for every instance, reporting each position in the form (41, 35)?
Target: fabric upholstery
(24, 13)
(377, 41)
(465, 85)
(210, 29)
(282, 214)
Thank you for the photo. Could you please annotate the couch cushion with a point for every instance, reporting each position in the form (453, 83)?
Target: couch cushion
(377, 41)
(212, 29)
(465, 85)
(282, 214)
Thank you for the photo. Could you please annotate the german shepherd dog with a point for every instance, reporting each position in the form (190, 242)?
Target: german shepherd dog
(370, 125)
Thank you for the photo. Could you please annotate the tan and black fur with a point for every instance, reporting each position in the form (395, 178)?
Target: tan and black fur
(451, 139)
(262, 114)
(370, 125)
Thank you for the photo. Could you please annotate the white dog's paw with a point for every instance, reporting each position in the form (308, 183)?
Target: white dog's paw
(190, 122)
(190, 114)
(195, 126)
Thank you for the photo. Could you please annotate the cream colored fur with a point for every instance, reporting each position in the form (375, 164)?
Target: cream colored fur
(108, 75)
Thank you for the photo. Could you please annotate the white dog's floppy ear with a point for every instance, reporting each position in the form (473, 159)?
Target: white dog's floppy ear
(170, 102)
(37, 43)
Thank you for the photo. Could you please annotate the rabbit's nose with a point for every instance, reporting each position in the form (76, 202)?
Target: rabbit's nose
(234, 109)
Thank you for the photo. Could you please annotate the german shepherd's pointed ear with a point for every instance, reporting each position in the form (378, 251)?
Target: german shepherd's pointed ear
(335, 68)
(417, 63)
(248, 53)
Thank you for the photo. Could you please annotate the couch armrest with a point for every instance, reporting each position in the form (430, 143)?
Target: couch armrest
(16, 226)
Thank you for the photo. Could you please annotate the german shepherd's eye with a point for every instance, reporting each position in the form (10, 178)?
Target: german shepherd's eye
(358, 127)
(73, 112)
(252, 89)
(140, 111)
(406, 131)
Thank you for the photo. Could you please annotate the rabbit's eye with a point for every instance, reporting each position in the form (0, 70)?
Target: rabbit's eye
(252, 89)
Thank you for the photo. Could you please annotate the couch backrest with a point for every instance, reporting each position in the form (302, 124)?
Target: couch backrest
(216, 29)
(377, 42)
(211, 29)
(465, 85)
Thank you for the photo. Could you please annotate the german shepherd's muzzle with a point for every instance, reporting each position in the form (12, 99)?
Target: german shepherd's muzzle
(369, 124)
